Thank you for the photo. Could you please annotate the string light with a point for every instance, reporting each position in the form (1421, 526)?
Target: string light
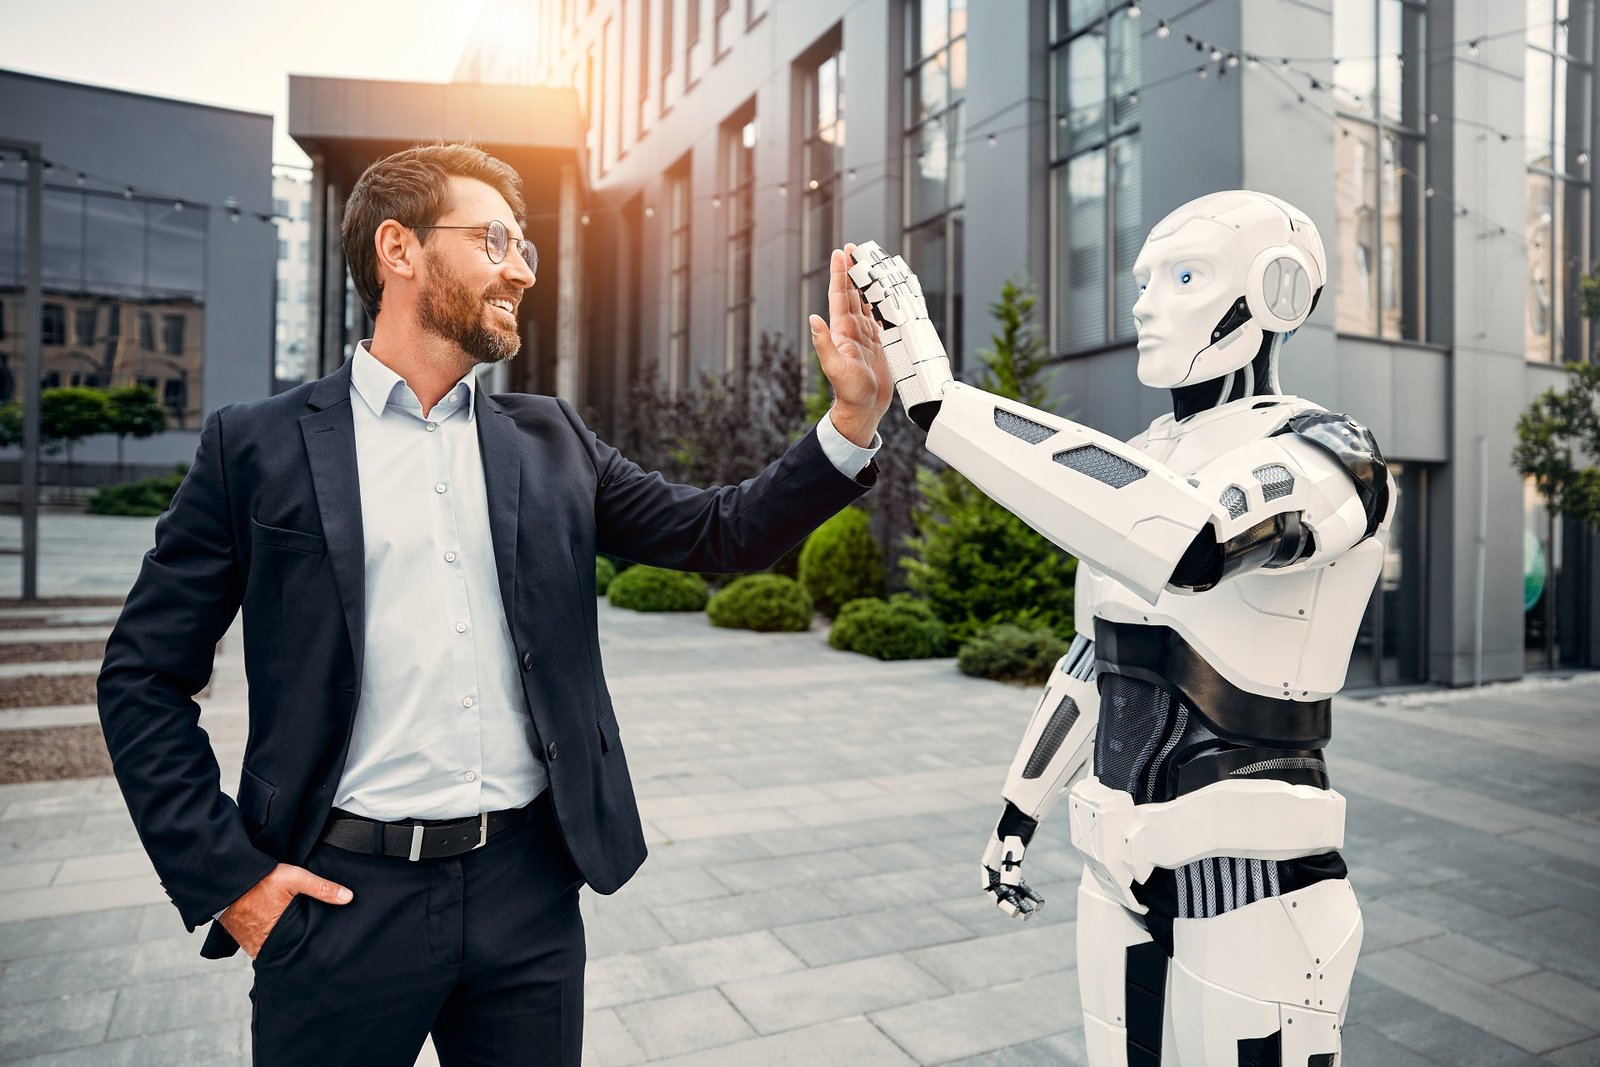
(583, 220)
(1133, 11)
(1163, 30)
(812, 185)
(993, 140)
(649, 212)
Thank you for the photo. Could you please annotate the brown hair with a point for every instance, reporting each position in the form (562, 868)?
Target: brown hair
(413, 188)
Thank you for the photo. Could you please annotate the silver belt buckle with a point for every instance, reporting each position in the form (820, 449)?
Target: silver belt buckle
(416, 843)
(483, 829)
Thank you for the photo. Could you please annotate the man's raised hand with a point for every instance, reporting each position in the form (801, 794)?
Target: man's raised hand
(850, 347)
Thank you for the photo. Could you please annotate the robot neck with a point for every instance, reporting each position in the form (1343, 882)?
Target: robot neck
(1257, 378)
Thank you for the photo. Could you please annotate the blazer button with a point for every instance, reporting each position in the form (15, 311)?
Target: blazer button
(551, 751)
(527, 661)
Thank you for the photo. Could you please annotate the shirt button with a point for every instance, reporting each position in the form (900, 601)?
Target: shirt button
(527, 661)
(454, 399)
(471, 776)
(461, 627)
(449, 557)
(432, 426)
(551, 751)
(439, 488)
(466, 702)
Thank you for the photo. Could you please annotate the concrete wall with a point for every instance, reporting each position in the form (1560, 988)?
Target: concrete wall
(201, 155)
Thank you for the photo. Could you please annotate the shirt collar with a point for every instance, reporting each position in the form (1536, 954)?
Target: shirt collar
(380, 386)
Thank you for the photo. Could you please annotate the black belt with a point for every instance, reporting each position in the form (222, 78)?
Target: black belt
(420, 839)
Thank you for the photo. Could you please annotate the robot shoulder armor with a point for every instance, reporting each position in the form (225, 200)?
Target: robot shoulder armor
(1356, 450)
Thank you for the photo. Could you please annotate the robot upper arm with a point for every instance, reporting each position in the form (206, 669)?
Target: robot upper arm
(1306, 495)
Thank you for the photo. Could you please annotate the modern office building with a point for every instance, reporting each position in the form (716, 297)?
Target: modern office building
(1444, 149)
(292, 361)
(157, 254)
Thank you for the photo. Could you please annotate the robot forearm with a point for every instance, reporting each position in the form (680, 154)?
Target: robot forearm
(1060, 737)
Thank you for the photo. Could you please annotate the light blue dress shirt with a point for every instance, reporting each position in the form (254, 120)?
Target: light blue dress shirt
(441, 727)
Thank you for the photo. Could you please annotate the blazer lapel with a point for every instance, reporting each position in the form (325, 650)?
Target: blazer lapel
(500, 445)
(330, 439)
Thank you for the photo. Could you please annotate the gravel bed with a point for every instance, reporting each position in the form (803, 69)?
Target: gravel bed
(53, 652)
(47, 690)
(54, 752)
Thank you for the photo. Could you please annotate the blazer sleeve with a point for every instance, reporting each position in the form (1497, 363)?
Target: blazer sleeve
(641, 516)
(158, 657)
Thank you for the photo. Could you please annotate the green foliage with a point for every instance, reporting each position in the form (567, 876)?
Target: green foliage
(604, 572)
(147, 497)
(11, 424)
(71, 413)
(1556, 430)
(899, 628)
(654, 589)
(1008, 653)
(841, 561)
(975, 562)
(135, 411)
(765, 602)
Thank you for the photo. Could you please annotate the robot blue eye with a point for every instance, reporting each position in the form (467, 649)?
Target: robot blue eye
(1185, 277)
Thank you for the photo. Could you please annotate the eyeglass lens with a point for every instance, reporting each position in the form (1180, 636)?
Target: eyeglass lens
(498, 240)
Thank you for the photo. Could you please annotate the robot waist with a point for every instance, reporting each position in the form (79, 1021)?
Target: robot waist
(1160, 656)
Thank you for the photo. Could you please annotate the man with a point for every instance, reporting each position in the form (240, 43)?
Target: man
(433, 765)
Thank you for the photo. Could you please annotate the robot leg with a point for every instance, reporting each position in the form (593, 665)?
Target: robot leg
(1267, 983)
(1121, 981)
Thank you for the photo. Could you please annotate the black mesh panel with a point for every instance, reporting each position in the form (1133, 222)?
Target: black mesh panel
(1133, 722)
(1055, 732)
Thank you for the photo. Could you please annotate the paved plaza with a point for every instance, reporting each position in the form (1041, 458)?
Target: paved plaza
(814, 820)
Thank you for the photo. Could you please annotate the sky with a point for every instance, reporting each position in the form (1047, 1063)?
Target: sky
(234, 53)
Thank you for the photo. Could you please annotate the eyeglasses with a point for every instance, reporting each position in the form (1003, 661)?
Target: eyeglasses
(497, 242)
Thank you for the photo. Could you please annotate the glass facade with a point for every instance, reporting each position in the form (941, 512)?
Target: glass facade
(821, 162)
(127, 275)
(935, 157)
(1559, 89)
(678, 277)
(1380, 56)
(738, 196)
(1391, 645)
(1098, 225)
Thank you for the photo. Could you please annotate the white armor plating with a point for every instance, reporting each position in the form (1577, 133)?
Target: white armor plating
(1227, 555)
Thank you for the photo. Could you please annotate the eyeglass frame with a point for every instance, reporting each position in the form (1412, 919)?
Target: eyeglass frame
(526, 248)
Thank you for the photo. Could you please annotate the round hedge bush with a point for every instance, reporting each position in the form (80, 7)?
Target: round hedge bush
(841, 561)
(899, 628)
(1008, 653)
(605, 572)
(765, 602)
(654, 589)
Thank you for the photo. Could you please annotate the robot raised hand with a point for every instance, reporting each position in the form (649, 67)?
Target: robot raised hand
(916, 356)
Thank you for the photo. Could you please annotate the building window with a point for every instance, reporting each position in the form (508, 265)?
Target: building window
(83, 321)
(738, 195)
(1097, 226)
(1559, 93)
(283, 250)
(722, 28)
(678, 277)
(172, 327)
(642, 121)
(666, 50)
(53, 325)
(1380, 184)
(821, 160)
(280, 207)
(935, 153)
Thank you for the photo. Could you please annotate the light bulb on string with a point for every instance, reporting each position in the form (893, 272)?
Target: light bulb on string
(82, 179)
(127, 194)
(993, 140)
(1250, 61)
(1203, 73)
(1472, 47)
(1233, 60)
(1583, 159)
(850, 175)
(1163, 30)
(1216, 53)
(716, 202)
(783, 188)
(1133, 11)
(812, 185)
(649, 212)
(583, 220)
(177, 205)
(1428, 192)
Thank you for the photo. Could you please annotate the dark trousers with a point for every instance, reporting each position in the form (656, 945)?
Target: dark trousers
(484, 951)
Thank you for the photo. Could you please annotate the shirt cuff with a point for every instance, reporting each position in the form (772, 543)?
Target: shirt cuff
(845, 454)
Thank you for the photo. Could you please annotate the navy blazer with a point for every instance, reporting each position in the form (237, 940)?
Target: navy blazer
(269, 519)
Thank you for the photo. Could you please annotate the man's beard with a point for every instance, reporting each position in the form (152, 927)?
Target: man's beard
(450, 309)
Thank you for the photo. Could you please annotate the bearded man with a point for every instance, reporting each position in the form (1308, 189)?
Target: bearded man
(433, 767)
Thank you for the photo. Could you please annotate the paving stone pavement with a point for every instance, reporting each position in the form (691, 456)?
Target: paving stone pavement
(814, 819)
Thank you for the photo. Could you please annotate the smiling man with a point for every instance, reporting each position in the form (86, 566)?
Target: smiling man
(433, 767)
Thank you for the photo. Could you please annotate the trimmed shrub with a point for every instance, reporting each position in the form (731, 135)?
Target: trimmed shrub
(1009, 653)
(605, 572)
(765, 602)
(654, 589)
(899, 628)
(146, 497)
(841, 561)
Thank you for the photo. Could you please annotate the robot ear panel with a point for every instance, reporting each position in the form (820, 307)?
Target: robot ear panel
(1278, 289)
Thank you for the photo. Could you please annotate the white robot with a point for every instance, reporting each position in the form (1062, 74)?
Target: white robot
(1226, 557)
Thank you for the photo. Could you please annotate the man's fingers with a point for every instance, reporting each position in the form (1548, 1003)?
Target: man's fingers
(322, 889)
(839, 287)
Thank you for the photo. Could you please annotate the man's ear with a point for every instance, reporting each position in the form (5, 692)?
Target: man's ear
(397, 250)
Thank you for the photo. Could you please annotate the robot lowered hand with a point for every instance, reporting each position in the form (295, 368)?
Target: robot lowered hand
(1002, 864)
(916, 356)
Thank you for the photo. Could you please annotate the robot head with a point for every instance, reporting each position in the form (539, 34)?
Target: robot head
(1219, 277)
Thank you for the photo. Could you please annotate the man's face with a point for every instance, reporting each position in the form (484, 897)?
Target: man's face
(1188, 278)
(465, 298)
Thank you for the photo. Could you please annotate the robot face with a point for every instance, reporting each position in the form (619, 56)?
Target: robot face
(1189, 275)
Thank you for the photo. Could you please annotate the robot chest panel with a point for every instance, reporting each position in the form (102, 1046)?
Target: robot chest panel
(1191, 444)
